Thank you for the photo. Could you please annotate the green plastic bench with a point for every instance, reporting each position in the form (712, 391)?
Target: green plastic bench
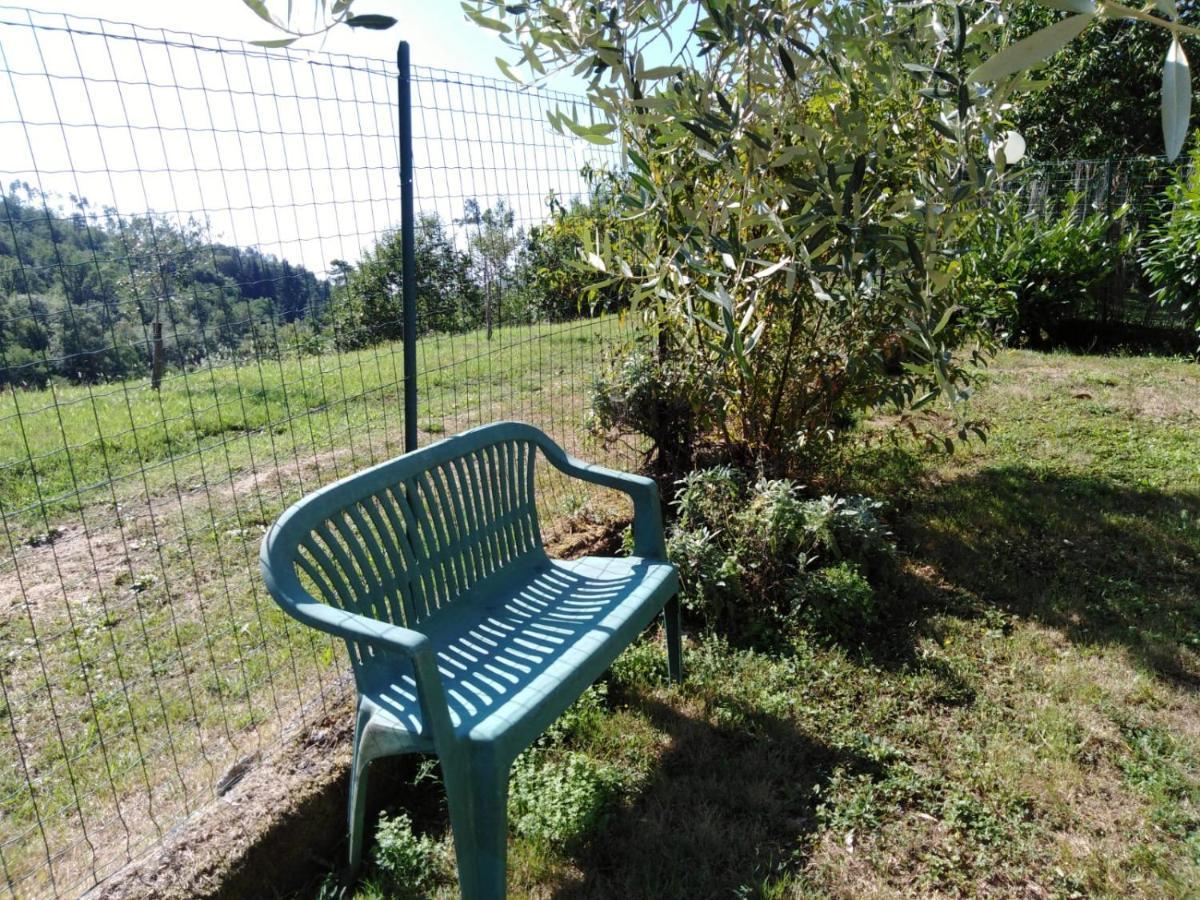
(465, 638)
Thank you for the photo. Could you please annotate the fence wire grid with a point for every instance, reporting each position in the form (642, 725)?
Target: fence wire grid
(197, 280)
(1137, 185)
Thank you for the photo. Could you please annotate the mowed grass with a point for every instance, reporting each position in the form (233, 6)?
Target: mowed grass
(142, 658)
(1025, 723)
(66, 447)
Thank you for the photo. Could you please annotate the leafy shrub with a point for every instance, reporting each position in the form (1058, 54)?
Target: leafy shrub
(1171, 252)
(709, 496)
(1026, 276)
(709, 574)
(837, 601)
(642, 394)
(407, 861)
(560, 799)
(741, 547)
(848, 528)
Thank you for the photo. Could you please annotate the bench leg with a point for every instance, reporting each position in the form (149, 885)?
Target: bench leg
(358, 796)
(674, 640)
(477, 794)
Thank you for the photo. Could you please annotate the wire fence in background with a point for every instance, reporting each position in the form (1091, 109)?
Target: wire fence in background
(1084, 186)
(199, 314)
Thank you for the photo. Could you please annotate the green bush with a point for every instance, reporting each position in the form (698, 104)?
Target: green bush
(1026, 276)
(709, 573)
(560, 799)
(742, 547)
(644, 394)
(1171, 252)
(408, 862)
(836, 601)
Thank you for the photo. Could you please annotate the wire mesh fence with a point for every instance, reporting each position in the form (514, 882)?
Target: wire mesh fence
(199, 322)
(1135, 187)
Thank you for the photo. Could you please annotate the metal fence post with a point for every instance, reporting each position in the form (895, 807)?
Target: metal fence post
(408, 246)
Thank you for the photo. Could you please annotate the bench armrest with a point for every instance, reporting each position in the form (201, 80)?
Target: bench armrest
(285, 587)
(354, 627)
(648, 538)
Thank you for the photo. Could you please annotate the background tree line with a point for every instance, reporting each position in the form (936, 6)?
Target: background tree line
(81, 290)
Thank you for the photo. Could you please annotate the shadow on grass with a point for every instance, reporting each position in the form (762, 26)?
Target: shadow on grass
(725, 808)
(1101, 561)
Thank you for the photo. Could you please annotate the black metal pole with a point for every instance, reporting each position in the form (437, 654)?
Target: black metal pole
(408, 245)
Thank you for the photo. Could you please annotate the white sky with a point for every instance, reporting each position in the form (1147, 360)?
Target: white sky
(294, 152)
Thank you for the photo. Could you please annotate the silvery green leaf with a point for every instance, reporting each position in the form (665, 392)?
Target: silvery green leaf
(1032, 50)
(1176, 98)
(1085, 7)
(260, 9)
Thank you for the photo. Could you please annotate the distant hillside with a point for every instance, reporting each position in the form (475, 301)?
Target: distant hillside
(80, 291)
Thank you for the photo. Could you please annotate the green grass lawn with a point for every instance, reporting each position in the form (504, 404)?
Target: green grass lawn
(1025, 723)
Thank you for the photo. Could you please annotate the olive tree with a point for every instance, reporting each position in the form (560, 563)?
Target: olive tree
(802, 174)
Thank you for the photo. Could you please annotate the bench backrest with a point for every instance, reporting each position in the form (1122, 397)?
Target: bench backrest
(399, 541)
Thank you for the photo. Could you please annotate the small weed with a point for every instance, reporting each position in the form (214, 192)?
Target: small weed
(560, 800)
(643, 664)
(407, 863)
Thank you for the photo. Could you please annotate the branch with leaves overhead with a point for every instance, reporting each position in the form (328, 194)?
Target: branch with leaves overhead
(339, 13)
(1041, 45)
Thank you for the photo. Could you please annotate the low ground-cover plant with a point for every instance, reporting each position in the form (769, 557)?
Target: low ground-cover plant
(407, 862)
(559, 799)
(756, 553)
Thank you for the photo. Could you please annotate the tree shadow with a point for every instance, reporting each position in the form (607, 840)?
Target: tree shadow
(724, 808)
(1101, 561)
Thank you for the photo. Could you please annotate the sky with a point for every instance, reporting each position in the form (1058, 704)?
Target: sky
(293, 152)
(437, 30)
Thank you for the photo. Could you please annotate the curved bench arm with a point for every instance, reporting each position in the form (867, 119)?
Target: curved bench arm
(648, 540)
(395, 639)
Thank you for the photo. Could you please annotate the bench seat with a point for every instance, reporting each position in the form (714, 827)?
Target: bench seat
(520, 657)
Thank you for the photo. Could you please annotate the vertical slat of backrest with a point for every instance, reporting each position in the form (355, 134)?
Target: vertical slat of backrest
(451, 550)
(447, 488)
(528, 455)
(335, 574)
(431, 572)
(369, 586)
(423, 604)
(439, 537)
(468, 471)
(351, 577)
(508, 497)
(503, 551)
(369, 546)
(477, 472)
(521, 451)
(311, 567)
(342, 596)
(414, 596)
(399, 596)
(461, 491)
